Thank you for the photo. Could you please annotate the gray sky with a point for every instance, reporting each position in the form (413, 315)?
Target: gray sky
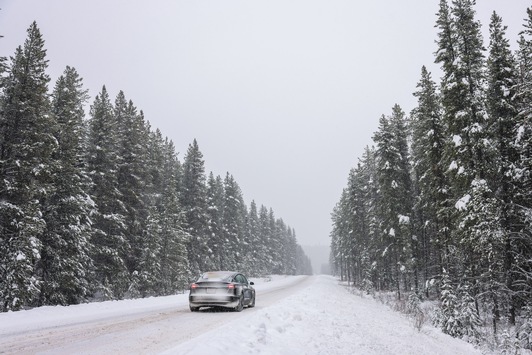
(283, 94)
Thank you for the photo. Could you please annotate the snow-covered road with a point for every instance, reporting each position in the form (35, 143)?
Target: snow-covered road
(293, 315)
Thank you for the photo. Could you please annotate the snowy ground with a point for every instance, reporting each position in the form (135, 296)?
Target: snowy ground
(324, 318)
(293, 315)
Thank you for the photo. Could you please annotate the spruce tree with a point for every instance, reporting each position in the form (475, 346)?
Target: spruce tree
(522, 240)
(464, 113)
(449, 318)
(27, 143)
(340, 241)
(395, 200)
(265, 235)
(290, 252)
(194, 203)
(468, 315)
(428, 140)
(281, 245)
(174, 260)
(502, 114)
(215, 211)
(357, 223)
(65, 265)
(274, 244)
(132, 175)
(233, 224)
(109, 242)
(253, 257)
(166, 269)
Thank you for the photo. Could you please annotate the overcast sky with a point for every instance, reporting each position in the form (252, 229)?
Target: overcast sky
(283, 94)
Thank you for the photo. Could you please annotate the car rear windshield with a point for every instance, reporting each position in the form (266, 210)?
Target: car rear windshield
(215, 276)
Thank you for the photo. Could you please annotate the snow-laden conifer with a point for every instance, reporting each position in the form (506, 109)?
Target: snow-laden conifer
(215, 210)
(66, 266)
(27, 143)
(193, 199)
(109, 243)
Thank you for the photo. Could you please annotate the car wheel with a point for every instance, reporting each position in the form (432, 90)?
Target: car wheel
(252, 304)
(194, 309)
(240, 305)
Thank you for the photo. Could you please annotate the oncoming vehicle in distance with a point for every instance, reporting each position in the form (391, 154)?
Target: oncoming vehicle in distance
(226, 289)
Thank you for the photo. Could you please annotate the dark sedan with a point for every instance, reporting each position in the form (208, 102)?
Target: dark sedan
(221, 289)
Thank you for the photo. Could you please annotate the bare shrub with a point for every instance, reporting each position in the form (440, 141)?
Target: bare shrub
(418, 320)
(400, 306)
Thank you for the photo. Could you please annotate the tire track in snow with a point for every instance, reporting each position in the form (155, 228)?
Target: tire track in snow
(136, 333)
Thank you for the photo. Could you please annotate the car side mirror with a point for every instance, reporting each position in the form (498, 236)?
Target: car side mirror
(251, 283)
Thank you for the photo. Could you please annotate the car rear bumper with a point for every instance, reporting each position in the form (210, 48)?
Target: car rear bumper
(229, 301)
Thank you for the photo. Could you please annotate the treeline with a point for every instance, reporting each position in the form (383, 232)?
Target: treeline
(102, 208)
(441, 205)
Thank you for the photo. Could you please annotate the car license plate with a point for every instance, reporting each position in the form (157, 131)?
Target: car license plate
(211, 290)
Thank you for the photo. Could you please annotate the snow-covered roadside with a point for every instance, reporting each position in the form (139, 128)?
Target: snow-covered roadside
(55, 316)
(321, 318)
(324, 318)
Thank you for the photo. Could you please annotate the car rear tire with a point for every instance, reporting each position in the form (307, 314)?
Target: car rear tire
(194, 309)
(240, 305)
(252, 304)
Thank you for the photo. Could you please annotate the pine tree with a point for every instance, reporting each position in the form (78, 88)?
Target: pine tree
(524, 85)
(468, 315)
(340, 238)
(234, 214)
(194, 202)
(265, 235)
(446, 53)
(274, 244)
(428, 140)
(395, 203)
(290, 252)
(147, 279)
(174, 261)
(522, 240)
(304, 265)
(449, 317)
(524, 333)
(27, 143)
(215, 211)
(253, 257)
(65, 262)
(357, 223)
(132, 175)
(468, 110)
(464, 113)
(460, 54)
(484, 243)
(164, 260)
(371, 196)
(502, 113)
(386, 156)
(280, 240)
(109, 242)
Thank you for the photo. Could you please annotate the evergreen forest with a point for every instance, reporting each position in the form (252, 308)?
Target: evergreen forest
(439, 208)
(100, 207)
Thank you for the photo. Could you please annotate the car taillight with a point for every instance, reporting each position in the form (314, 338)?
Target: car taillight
(193, 286)
(231, 286)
